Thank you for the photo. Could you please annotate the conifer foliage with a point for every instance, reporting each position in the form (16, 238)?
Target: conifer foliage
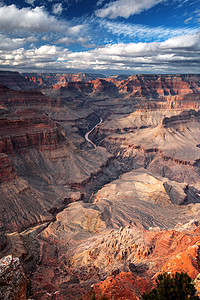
(177, 286)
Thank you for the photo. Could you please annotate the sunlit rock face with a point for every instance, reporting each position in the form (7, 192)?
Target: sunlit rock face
(150, 86)
(105, 214)
(58, 80)
(12, 279)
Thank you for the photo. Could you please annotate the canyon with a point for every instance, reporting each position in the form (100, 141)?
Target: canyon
(99, 181)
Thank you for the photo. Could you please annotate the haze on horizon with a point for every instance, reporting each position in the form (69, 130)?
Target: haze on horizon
(100, 36)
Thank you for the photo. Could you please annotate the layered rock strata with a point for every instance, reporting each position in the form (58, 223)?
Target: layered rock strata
(15, 81)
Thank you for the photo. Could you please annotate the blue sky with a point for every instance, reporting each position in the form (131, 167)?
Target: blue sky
(100, 36)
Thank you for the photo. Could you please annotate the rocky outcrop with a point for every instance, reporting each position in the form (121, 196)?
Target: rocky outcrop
(124, 285)
(92, 241)
(7, 169)
(15, 81)
(13, 100)
(187, 261)
(13, 283)
(166, 149)
(121, 255)
(155, 86)
(59, 79)
(147, 86)
(27, 129)
(103, 86)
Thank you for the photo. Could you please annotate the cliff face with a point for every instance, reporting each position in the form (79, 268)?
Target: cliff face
(12, 100)
(7, 169)
(61, 79)
(28, 129)
(124, 285)
(15, 81)
(13, 281)
(154, 86)
(40, 160)
(88, 255)
(146, 86)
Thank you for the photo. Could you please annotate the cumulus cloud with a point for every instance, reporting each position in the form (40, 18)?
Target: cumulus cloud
(186, 42)
(125, 8)
(175, 55)
(33, 19)
(179, 54)
(7, 43)
(39, 58)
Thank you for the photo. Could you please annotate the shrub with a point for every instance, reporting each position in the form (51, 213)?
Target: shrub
(178, 286)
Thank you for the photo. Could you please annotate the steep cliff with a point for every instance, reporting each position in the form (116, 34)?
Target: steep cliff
(59, 79)
(15, 81)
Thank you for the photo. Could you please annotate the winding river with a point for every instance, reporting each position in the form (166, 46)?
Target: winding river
(88, 133)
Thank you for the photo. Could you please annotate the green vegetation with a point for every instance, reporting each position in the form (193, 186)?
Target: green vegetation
(178, 286)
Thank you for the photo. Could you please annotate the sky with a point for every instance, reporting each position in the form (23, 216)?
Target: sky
(100, 36)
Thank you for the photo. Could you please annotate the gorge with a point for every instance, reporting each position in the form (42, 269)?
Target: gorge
(99, 181)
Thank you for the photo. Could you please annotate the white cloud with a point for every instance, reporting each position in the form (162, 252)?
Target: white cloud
(175, 55)
(32, 39)
(29, 19)
(7, 43)
(100, 2)
(57, 8)
(68, 40)
(39, 57)
(46, 51)
(125, 8)
(143, 32)
(65, 40)
(179, 54)
(188, 20)
(31, 2)
(75, 29)
(183, 42)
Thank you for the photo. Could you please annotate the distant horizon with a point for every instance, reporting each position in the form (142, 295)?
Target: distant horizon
(95, 73)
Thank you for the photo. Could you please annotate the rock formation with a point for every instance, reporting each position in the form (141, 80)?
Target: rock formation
(15, 81)
(124, 285)
(52, 79)
(13, 283)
